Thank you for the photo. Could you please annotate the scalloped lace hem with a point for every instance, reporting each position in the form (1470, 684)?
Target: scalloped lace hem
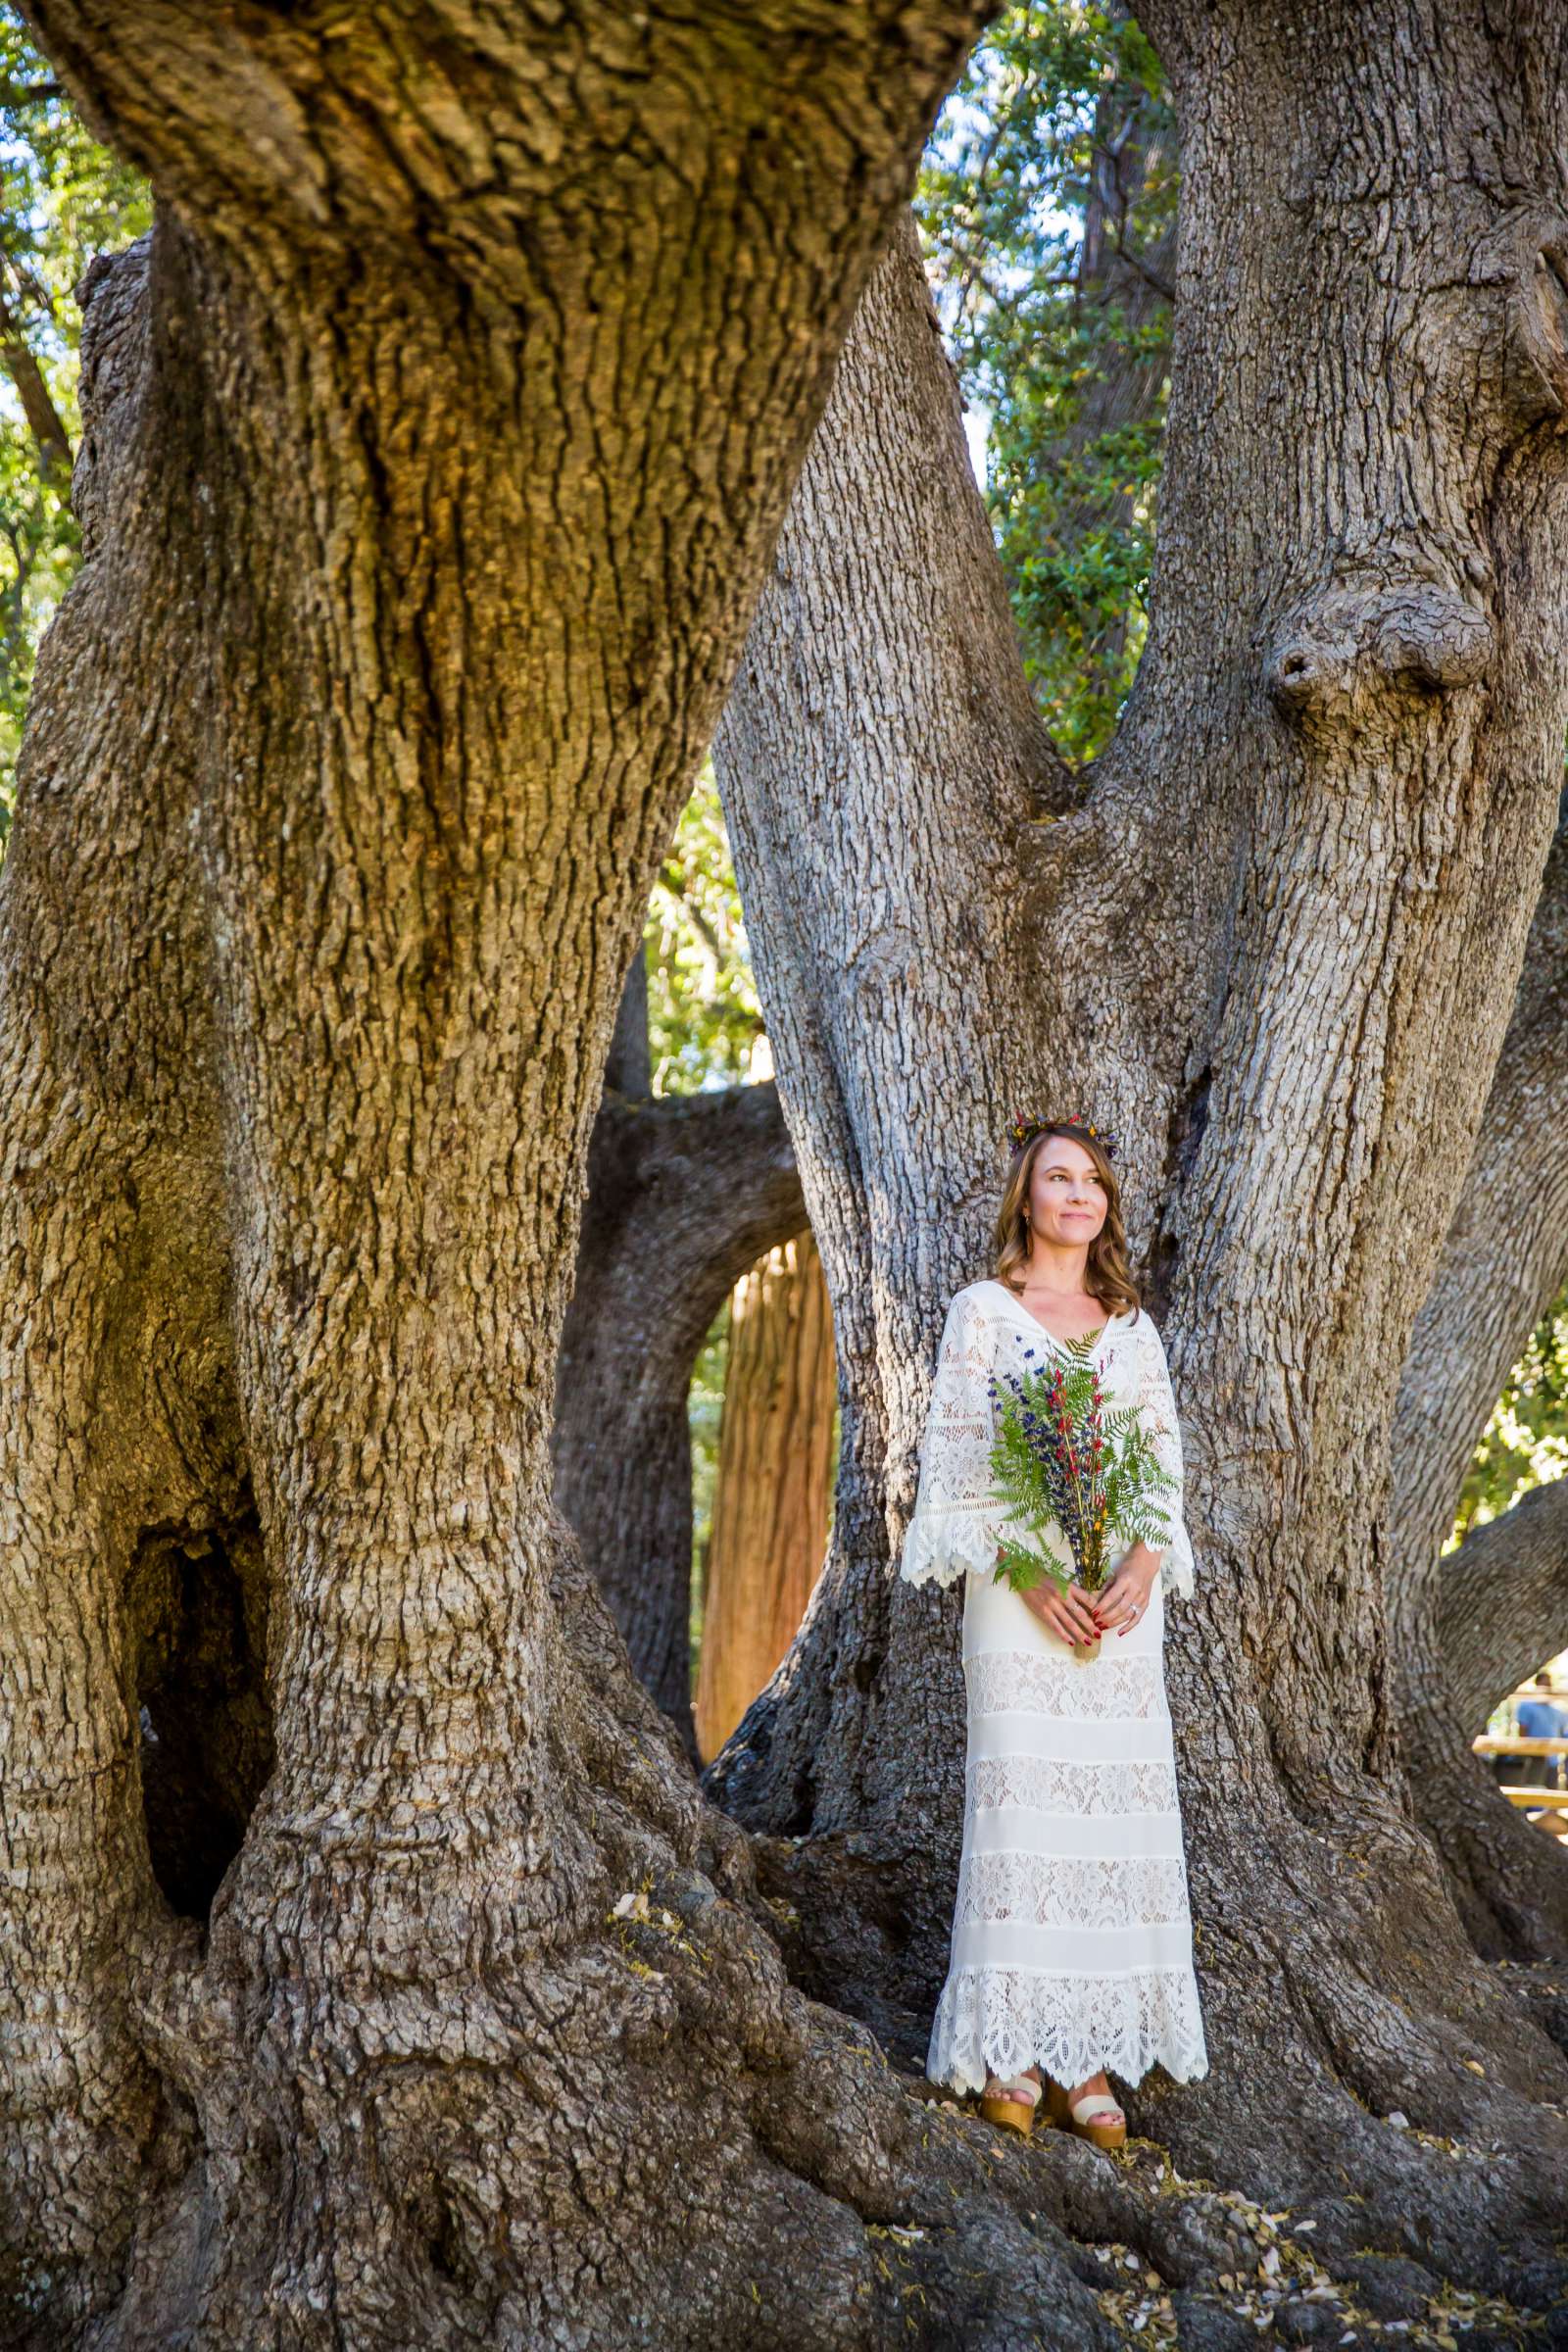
(1001, 2019)
(940, 1555)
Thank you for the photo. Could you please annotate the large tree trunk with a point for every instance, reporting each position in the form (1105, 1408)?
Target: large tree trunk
(1275, 947)
(684, 1193)
(440, 441)
(1465, 1626)
(772, 1497)
(886, 578)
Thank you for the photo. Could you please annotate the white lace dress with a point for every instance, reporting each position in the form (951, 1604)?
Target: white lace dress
(1071, 1931)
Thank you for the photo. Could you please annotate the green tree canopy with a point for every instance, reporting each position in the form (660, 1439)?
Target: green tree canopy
(1048, 206)
(63, 198)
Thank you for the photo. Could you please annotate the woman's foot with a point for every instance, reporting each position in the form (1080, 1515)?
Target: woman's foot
(1107, 2110)
(1014, 2101)
(997, 2088)
(1098, 2117)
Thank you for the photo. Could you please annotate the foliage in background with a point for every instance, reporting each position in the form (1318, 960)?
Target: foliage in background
(63, 198)
(1525, 1443)
(1047, 203)
(703, 1013)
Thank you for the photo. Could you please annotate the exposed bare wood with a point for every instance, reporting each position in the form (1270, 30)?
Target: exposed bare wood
(772, 1498)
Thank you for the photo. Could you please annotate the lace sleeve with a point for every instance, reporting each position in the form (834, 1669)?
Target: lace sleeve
(956, 1515)
(1156, 1402)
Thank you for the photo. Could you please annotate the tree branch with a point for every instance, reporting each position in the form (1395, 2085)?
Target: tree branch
(1505, 1257)
(44, 422)
(1502, 1602)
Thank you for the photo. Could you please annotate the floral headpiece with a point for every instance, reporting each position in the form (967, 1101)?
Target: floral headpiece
(1023, 1132)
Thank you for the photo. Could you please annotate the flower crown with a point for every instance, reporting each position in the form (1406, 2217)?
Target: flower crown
(1023, 1132)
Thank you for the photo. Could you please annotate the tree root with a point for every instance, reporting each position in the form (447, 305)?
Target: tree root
(622, 2125)
(1416, 2135)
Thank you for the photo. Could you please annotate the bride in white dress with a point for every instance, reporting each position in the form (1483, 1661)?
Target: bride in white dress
(1071, 1931)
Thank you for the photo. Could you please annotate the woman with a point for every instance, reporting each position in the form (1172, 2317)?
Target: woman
(1071, 1931)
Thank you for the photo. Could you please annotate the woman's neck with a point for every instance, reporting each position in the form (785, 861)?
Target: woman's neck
(1056, 1273)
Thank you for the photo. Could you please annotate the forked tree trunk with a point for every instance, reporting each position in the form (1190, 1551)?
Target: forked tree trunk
(439, 442)
(902, 1055)
(1275, 947)
(772, 1498)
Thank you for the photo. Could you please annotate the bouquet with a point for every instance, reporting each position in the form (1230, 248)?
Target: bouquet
(1060, 1458)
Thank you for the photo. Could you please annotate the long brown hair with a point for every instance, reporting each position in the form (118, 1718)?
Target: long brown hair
(1107, 1276)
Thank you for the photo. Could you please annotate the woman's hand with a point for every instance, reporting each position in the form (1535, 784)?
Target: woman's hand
(1117, 1606)
(1067, 1609)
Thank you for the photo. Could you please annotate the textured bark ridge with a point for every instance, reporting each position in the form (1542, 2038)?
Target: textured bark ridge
(1271, 937)
(435, 443)
(1465, 1628)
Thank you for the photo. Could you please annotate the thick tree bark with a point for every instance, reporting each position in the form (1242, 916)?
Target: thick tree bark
(1463, 1628)
(439, 442)
(1275, 947)
(888, 617)
(772, 1497)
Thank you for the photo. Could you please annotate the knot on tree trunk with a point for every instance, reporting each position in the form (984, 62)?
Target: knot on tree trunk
(1525, 255)
(1341, 652)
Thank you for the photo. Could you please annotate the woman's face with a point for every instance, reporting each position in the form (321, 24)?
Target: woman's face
(1067, 1201)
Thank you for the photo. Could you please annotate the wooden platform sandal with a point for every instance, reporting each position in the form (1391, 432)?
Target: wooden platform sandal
(1094, 2115)
(1013, 2103)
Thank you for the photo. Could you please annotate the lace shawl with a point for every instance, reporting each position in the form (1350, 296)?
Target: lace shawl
(957, 1523)
(956, 1519)
(1156, 1402)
